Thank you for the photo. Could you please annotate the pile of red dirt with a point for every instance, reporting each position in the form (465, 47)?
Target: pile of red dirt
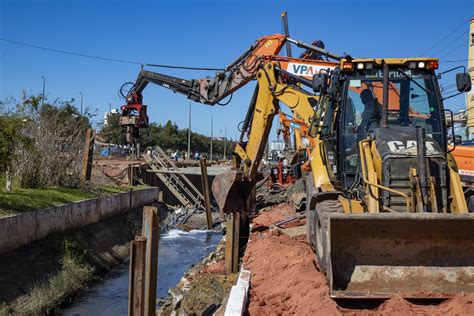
(273, 215)
(285, 279)
(218, 267)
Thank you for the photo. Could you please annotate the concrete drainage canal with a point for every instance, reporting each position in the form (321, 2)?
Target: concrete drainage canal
(178, 251)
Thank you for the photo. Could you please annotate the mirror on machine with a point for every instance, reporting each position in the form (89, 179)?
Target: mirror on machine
(457, 140)
(320, 83)
(463, 82)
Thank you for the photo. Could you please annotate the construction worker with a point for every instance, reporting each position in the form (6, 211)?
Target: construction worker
(371, 114)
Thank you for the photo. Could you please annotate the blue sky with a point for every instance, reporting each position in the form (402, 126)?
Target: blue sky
(203, 34)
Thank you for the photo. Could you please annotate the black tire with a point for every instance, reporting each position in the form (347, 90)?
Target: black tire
(310, 225)
(321, 229)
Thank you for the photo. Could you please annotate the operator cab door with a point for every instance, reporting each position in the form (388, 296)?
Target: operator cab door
(330, 136)
(413, 101)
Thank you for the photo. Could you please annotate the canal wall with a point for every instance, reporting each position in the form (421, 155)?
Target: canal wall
(21, 229)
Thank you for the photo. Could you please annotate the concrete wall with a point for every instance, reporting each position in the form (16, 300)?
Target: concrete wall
(21, 229)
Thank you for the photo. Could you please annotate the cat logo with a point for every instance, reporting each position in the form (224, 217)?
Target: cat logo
(397, 146)
(268, 43)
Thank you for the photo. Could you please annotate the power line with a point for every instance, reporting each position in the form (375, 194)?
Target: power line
(452, 50)
(451, 43)
(106, 58)
(454, 61)
(446, 37)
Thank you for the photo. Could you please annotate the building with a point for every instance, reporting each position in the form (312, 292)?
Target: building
(106, 115)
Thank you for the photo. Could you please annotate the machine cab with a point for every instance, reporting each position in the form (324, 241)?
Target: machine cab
(414, 101)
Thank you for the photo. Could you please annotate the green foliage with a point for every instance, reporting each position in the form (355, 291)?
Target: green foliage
(10, 138)
(23, 200)
(169, 137)
(43, 142)
(4, 309)
(112, 132)
(74, 276)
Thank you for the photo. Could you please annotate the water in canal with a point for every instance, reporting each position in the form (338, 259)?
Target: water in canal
(178, 251)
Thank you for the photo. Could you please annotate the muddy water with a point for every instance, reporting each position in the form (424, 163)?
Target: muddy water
(178, 251)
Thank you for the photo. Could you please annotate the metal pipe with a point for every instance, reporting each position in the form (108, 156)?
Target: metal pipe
(284, 18)
(314, 48)
(422, 165)
(384, 120)
(248, 116)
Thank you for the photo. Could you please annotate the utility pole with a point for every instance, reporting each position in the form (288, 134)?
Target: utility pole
(189, 132)
(225, 142)
(42, 95)
(82, 97)
(212, 129)
(108, 122)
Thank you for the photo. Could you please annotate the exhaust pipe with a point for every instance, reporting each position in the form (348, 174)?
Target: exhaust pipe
(422, 165)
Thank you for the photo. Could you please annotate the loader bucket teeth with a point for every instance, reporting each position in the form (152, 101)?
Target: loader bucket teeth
(230, 191)
(412, 255)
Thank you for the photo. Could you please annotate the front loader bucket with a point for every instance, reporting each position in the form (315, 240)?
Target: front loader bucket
(412, 255)
(231, 191)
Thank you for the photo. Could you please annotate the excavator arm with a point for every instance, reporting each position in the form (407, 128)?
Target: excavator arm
(233, 191)
(212, 90)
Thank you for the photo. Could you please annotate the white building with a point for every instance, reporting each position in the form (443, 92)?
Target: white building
(106, 115)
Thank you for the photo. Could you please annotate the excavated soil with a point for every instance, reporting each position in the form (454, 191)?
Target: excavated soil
(285, 279)
(272, 215)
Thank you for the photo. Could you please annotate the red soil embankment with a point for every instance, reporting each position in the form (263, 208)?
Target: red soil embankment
(285, 279)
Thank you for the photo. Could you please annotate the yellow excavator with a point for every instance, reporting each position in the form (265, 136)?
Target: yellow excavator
(386, 213)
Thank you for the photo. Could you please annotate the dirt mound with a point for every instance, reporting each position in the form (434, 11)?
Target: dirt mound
(285, 279)
(270, 216)
(218, 267)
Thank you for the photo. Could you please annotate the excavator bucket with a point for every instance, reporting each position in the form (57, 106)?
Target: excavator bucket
(412, 255)
(231, 191)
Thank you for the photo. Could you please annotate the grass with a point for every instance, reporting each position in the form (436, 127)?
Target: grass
(4, 309)
(75, 275)
(24, 200)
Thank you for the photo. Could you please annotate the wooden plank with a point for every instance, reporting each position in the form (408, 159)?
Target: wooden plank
(150, 230)
(229, 243)
(205, 191)
(136, 306)
(232, 243)
(236, 241)
(87, 156)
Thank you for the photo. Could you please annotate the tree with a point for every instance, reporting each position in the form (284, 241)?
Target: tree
(10, 138)
(56, 133)
(112, 131)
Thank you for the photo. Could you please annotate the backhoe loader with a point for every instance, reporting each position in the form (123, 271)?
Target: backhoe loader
(385, 208)
(386, 213)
